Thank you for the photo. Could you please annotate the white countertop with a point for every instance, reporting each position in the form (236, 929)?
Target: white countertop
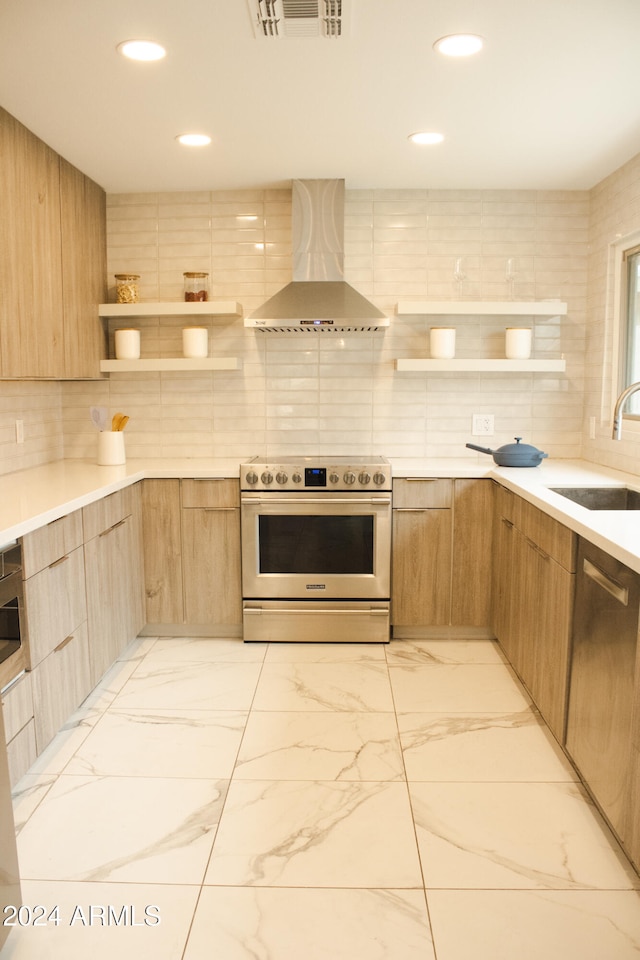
(31, 498)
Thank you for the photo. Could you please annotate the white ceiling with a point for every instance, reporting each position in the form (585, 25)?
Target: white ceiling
(553, 101)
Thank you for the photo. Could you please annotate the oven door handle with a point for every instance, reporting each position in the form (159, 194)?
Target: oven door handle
(327, 501)
(372, 611)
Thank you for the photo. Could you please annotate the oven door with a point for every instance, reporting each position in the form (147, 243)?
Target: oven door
(325, 546)
(12, 652)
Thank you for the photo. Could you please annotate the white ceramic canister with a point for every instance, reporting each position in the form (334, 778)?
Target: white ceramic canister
(442, 342)
(195, 342)
(127, 344)
(111, 448)
(517, 343)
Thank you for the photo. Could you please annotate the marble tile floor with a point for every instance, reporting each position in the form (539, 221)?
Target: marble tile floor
(219, 801)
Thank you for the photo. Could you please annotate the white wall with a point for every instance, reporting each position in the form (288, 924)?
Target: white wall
(330, 393)
(615, 215)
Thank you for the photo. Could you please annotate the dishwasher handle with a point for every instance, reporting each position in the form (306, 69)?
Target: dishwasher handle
(618, 592)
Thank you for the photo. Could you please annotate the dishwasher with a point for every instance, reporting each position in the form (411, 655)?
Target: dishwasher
(605, 633)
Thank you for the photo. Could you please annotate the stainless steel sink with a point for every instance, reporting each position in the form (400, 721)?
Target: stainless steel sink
(601, 498)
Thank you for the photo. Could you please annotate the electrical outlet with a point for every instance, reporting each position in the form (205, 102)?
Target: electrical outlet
(482, 425)
(19, 431)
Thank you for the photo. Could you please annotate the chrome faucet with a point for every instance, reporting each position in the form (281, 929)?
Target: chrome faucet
(617, 413)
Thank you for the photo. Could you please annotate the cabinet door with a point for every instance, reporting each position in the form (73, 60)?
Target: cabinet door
(161, 523)
(84, 262)
(113, 594)
(31, 316)
(55, 604)
(60, 684)
(472, 552)
(511, 591)
(421, 567)
(551, 626)
(501, 577)
(211, 565)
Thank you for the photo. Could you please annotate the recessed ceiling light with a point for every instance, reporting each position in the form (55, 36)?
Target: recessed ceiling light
(428, 138)
(194, 139)
(141, 50)
(459, 44)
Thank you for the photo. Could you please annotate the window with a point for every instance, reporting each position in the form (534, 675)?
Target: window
(630, 359)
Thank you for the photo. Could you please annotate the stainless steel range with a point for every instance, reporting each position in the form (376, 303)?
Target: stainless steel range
(316, 549)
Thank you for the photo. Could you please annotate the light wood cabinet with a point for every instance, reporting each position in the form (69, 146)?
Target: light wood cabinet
(421, 560)
(55, 604)
(52, 261)
(19, 726)
(441, 553)
(211, 552)
(162, 538)
(533, 585)
(192, 553)
(472, 552)
(84, 264)
(114, 576)
(60, 683)
(54, 587)
(31, 325)
(56, 635)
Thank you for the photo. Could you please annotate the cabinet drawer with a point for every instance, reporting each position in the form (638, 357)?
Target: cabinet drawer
(55, 604)
(551, 536)
(422, 493)
(17, 706)
(21, 752)
(105, 513)
(505, 502)
(49, 543)
(211, 494)
(60, 684)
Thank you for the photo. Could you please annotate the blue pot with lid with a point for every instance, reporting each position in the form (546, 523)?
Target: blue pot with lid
(513, 454)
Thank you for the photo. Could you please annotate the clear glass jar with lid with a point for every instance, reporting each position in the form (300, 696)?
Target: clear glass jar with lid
(127, 290)
(196, 287)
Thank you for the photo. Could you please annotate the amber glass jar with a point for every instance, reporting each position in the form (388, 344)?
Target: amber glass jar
(196, 287)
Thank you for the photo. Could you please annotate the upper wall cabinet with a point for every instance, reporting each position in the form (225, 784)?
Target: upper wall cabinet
(52, 261)
(84, 258)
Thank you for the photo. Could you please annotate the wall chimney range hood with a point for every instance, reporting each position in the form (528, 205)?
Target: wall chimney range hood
(318, 299)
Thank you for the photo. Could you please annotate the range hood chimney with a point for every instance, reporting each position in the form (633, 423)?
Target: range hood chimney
(318, 298)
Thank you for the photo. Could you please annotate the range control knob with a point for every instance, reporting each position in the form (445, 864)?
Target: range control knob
(364, 479)
(379, 478)
(281, 478)
(296, 478)
(266, 478)
(334, 478)
(349, 479)
(252, 477)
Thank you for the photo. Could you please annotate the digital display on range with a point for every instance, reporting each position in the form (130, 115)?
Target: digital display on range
(315, 476)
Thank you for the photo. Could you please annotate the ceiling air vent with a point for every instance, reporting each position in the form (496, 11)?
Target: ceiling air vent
(273, 19)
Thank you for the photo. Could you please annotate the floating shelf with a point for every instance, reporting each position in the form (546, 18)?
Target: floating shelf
(179, 308)
(483, 366)
(171, 363)
(495, 308)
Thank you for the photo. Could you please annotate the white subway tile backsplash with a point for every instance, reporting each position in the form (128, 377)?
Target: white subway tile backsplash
(339, 394)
